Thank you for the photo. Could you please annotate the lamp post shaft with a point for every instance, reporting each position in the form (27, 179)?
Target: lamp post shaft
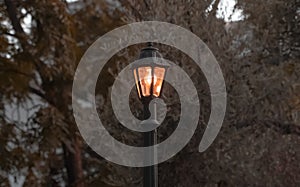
(150, 138)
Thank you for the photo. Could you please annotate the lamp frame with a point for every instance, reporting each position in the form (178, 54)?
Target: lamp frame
(149, 52)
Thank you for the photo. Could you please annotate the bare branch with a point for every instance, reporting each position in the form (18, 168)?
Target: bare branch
(12, 14)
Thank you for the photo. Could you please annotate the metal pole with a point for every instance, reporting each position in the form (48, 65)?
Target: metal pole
(154, 112)
(150, 172)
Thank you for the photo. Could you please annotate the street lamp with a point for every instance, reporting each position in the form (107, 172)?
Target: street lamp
(149, 78)
(149, 75)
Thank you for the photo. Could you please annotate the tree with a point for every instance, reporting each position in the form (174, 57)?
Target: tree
(41, 43)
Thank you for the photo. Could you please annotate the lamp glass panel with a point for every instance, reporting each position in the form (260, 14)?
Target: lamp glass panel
(137, 82)
(159, 74)
(145, 77)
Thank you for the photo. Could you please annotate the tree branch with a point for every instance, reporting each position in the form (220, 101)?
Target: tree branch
(12, 14)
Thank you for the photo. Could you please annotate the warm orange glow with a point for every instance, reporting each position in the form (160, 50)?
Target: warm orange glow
(158, 80)
(145, 76)
(143, 79)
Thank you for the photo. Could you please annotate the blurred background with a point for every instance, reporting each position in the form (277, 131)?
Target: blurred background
(255, 42)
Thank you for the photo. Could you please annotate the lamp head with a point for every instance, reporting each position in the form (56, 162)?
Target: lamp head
(149, 74)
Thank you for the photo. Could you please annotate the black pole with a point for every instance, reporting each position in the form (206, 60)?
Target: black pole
(150, 172)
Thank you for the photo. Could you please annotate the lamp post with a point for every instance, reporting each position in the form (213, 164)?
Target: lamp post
(149, 78)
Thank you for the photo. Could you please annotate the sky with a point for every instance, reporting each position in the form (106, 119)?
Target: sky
(227, 11)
